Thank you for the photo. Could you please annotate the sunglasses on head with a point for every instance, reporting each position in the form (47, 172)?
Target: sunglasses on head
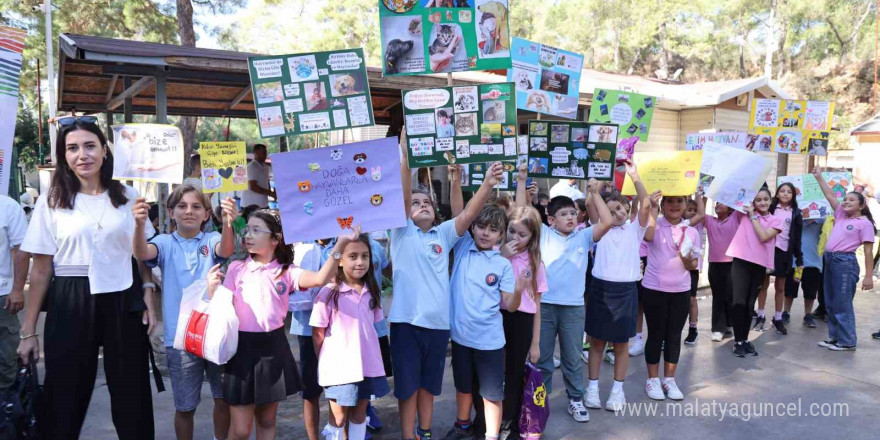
(70, 120)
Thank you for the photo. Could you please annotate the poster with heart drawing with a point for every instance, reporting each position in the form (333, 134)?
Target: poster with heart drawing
(224, 166)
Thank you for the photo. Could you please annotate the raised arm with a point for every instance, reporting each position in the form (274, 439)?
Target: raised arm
(522, 198)
(605, 220)
(475, 205)
(829, 194)
(701, 209)
(763, 234)
(405, 175)
(456, 198)
(641, 192)
(142, 250)
(652, 207)
(226, 247)
(592, 213)
(310, 279)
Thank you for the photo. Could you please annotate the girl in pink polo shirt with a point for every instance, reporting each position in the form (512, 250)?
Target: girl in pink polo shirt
(522, 326)
(350, 364)
(753, 251)
(853, 227)
(263, 371)
(666, 289)
(720, 231)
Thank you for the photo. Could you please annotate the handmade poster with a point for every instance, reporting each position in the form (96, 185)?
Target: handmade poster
(737, 175)
(810, 198)
(547, 79)
(310, 92)
(432, 36)
(816, 143)
(11, 48)
(631, 112)
(325, 191)
(575, 150)
(675, 173)
(463, 124)
(151, 152)
(735, 139)
(224, 166)
(472, 174)
(712, 156)
(760, 142)
(795, 127)
(841, 182)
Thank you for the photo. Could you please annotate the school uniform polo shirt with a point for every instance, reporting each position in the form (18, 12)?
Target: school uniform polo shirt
(421, 274)
(565, 260)
(13, 227)
(478, 278)
(182, 261)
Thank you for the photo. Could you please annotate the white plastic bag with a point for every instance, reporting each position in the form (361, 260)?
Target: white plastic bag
(207, 329)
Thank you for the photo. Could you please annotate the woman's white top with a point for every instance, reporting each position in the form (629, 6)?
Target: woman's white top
(93, 239)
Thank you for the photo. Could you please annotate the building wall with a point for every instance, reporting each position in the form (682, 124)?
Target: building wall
(665, 132)
(695, 121)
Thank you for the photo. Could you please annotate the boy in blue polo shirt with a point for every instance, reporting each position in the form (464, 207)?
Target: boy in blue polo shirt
(565, 254)
(184, 256)
(481, 280)
(419, 314)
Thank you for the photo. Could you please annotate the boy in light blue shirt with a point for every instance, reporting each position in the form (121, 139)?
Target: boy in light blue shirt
(185, 256)
(565, 254)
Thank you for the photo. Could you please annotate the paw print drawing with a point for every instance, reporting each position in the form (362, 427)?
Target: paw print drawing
(336, 154)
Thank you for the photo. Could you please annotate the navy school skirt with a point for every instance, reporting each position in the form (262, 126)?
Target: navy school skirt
(612, 310)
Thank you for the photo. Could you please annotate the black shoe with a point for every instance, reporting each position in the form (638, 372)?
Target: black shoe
(875, 335)
(754, 313)
(691, 339)
(839, 347)
(780, 326)
(750, 349)
(819, 313)
(739, 349)
(786, 317)
(810, 322)
(827, 343)
(457, 433)
(759, 324)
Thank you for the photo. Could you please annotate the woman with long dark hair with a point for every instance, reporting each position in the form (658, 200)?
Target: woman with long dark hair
(82, 231)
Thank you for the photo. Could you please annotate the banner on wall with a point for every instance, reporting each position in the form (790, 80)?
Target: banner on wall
(574, 150)
(675, 173)
(150, 152)
(11, 48)
(224, 166)
(310, 92)
(324, 191)
(733, 176)
(795, 127)
(462, 124)
(547, 79)
(735, 139)
(439, 36)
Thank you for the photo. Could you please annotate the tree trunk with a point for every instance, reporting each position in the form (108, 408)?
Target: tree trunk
(617, 51)
(770, 40)
(187, 124)
(782, 19)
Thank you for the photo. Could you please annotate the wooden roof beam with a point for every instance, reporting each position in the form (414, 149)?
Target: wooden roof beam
(130, 92)
(238, 98)
(112, 88)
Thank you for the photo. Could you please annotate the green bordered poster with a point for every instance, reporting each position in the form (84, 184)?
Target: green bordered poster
(574, 150)
(438, 36)
(310, 92)
(460, 124)
(632, 112)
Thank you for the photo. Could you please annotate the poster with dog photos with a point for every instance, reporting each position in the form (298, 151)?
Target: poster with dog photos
(547, 79)
(460, 124)
(472, 174)
(440, 36)
(572, 150)
(310, 92)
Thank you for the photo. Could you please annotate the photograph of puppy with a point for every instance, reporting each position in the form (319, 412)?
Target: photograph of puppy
(402, 41)
(522, 79)
(344, 84)
(538, 101)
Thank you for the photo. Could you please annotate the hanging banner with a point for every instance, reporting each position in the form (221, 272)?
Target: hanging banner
(464, 124)
(434, 36)
(676, 173)
(547, 79)
(150, 152)
(574, 150)
(796, 127)
(310, 92)
(735, 139)
(323, 191)
(224, 166)
(11, 48)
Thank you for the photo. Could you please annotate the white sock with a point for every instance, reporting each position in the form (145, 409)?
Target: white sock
(333, 433)
(594, 384)
(760, 313)
(357, 431)
(617, 387)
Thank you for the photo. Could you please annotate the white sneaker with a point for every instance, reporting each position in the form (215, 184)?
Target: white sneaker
(671, 390)
(637, 347)
(616, 401)
(556, 362)
(717, 336)
(592, 401)
(578, 411)
(585, 355)
(654, 390)
(609, 357)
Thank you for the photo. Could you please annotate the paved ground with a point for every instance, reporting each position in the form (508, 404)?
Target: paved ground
(790, 370)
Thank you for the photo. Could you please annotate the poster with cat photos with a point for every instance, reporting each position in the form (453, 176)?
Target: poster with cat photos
(310, 92)
(472, 174)
(573, 150)
(795, 127)
(440, 36)
(460, 124)
(547, 79)
(632, 112)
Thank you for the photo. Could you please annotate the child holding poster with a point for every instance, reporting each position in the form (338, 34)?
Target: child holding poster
(753, 252)
(720, 231)
(853, 227)
(419, 314)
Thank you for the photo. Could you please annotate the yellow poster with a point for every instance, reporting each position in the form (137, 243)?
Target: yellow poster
(224, 166)
(676, 173)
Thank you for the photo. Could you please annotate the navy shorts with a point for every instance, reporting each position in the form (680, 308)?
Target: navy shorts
(483, 368)
(418, 356)
(308, 364)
